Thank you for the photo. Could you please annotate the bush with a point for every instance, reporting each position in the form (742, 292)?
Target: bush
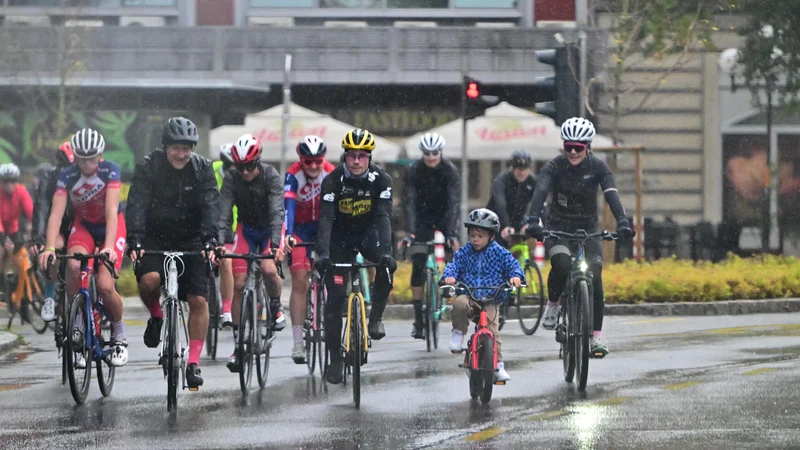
(127, 283)
(674, 280)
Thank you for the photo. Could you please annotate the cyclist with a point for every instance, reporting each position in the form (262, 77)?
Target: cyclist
(221, 168)
(573, 179)
(512, 192)
(255, 189)
(301, 201)
(42, 203)
(431, 201)
(483, 263)
(92, 186)
(355, 213)
(173, 203)
(14, 202)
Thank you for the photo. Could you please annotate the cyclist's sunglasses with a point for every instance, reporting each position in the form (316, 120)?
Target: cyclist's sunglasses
(356, 155)
(574, 147)
(312, 161)
(249, 167)
(431, 152)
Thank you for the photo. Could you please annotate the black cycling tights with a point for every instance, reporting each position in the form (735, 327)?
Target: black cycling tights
(557, 280)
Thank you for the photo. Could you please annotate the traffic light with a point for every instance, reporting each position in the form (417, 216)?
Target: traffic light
(473, 99)
(563, 89)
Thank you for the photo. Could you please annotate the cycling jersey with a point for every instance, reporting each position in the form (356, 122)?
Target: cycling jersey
(301, 196)
(510, 199)
(43, 202)
(12, 206)
(88, 193)
(431, 197)
(260, 202)
(353, 205)
(574, 189)
(219, 173)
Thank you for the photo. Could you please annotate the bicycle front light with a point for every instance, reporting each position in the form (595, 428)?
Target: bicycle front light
(583, 266)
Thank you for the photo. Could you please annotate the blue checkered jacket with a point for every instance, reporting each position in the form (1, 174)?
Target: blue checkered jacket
(491, 266)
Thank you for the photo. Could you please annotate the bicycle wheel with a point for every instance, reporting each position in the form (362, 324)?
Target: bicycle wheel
(105, 371)
(36, 302)
(501, 317)
(435, 313)
(61, 332)
(319, 333)
(264, 345)
(78, 325)
(309, 331)
(172, 354)
(583, 334)
(247, 336)
(530, 296)
(486, 363)
(567, 323)
(427, 313)
(356, 347)
(212, 334)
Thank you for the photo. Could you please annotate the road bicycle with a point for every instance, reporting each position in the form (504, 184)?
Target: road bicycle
(313, 327)
(574, 326)
(27, 299)
(90, 337)
(529, 300)
(432, 307)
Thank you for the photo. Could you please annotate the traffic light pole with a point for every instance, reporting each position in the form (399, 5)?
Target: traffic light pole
(464, 165)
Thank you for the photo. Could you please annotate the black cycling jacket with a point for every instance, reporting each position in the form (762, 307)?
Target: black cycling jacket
(510, 199)
(350, 206)
(574, 191)
(429, 193)
(259, 203)
(43, 203)
(172, 205)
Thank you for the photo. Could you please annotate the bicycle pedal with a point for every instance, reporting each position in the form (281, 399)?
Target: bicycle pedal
(194, 389)
(499, 383)
(598, 355)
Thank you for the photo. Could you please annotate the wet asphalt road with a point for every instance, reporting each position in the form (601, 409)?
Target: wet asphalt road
(688, 382)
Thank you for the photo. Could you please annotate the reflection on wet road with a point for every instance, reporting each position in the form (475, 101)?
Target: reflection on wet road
(690, 382)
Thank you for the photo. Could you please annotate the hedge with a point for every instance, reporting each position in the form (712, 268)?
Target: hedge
(665, 280)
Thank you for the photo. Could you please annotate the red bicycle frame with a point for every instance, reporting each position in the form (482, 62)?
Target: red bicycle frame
(472, 352)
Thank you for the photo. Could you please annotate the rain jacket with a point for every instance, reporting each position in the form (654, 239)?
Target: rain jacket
(491, 266)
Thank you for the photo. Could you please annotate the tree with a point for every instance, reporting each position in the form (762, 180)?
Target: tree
(644, 30)
(771, 55)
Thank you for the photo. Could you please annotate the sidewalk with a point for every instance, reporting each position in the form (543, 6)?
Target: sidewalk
(8, 341)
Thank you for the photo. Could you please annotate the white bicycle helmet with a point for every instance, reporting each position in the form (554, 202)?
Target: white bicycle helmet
(87, 143)
(311, 146)
(225, 153)
(430, 142)
(483, 218)
(577, 129)
(9, 172)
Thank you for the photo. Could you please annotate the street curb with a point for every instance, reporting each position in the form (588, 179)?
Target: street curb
(8, 346)
(721, 308)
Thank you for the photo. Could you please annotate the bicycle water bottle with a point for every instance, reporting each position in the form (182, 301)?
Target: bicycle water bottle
(172, 280)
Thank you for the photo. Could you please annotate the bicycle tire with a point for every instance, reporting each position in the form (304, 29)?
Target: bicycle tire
(36, 302)
(356, 338)
(264, 347)
(566, 347)
(486, 364)
(501, 317)
(212, 334)
(319, 334)
(533, 275)
(244, 348)
(427, 314)
(172, 355)
(583, 337)
(308, 329)
(78, 386)
(105, 380)
(61, 333)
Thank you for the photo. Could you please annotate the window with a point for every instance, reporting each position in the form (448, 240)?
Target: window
(383, 3)
(485, 3)
(282, 3)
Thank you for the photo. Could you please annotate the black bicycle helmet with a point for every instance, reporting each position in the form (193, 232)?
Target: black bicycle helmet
(520, 160)
(179, 130)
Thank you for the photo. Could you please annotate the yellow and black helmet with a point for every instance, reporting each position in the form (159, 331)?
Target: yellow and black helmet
(358, 139)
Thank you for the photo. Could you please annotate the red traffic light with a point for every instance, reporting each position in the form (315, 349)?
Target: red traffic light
(472, 90)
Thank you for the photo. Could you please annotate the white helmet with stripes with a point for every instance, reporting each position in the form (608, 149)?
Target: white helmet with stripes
(431, 142)
(577, 129)
(87, 143)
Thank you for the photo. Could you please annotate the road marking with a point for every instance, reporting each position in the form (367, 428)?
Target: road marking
(614, 400)
(547, 415)
(666, 319)
(486, 434)
(684, 385)
(134, 322)
(760, 371)
(11, 387)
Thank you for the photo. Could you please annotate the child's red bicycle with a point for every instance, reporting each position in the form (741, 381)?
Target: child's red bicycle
(480, 357)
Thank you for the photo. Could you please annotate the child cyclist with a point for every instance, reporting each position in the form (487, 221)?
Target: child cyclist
(483, 263)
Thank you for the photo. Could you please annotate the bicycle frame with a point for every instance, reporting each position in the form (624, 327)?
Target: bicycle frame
(356, 294)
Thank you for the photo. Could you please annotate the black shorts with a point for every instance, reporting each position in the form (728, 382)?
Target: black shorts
(193, 280)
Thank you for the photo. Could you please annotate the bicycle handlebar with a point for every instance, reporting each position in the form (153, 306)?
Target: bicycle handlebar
(581, 235)
(84, 259)
(305, 244)
(250, 257)
(460, 289)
